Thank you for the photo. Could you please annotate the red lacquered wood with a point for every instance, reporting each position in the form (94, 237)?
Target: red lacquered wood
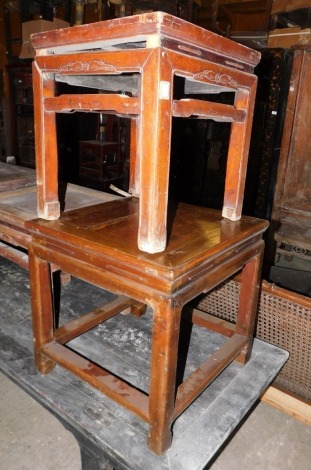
(168, 46)
(124, 246)
(98, 245)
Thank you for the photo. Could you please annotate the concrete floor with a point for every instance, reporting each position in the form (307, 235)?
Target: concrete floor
(33, 439)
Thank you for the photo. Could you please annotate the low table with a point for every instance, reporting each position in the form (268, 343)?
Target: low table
(20, 205)
(14, 177)
(98, 245)
(110, 436)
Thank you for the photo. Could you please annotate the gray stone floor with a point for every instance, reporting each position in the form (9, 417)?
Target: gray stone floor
(33, 439)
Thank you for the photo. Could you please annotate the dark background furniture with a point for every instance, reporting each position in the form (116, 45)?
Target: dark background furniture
(290, 233)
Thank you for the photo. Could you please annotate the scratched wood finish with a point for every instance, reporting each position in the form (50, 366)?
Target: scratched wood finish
(147, 51)
(14, 177)
(20, 205)
(98, 245)
(107, 433)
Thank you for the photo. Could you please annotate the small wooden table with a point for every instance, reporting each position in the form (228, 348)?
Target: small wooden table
(15, 177)
(110, 437)
(137, 61)
(98, 245)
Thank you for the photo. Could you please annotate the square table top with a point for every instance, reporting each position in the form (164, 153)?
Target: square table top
(151, 28)
(195, 235)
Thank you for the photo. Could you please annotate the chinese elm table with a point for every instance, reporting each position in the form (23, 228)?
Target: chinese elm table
(98, 245)
(135, 62)
(110, 436)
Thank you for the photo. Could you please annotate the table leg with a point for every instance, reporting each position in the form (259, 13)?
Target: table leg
(46, 147)
(134, 158)
(42, 309)
(248, 303)
(165, 337)
(238, 154)
(154, 151)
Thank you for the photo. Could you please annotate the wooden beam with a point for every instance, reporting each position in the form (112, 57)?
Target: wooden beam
(288, 404)
(207, 372)
(106, 382)
(91, 319)
(212, 322)
(207, 110)
(130, 84)
(14, 254)
(121, 104)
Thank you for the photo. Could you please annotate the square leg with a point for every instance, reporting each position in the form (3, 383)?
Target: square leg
(46, 147)
(42, 309)
(248, 303)
(162, 391)
(154, 154)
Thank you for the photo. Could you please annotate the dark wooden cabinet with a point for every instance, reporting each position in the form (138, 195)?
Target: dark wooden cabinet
(100, 164)
(22, 112)
(291, 216)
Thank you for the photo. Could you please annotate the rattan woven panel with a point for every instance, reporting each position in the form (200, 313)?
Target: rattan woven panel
(282, 322)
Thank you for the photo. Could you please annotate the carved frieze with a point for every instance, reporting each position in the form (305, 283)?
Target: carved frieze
(221, 79)
(87, 67)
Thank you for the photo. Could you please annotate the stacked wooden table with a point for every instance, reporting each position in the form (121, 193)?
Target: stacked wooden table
(136, 62)
(111, 436)
(98, 245)
(143, 249)
(15, 177)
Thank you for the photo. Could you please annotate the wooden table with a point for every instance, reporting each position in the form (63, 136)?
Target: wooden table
(15, 177)
(137, 61)
(110, 436)
(98, 245)
(20, 205)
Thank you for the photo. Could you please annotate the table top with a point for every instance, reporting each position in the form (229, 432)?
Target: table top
(14, 177)
(136, 29)
(123, 343)
(20, 205)
(194, 233)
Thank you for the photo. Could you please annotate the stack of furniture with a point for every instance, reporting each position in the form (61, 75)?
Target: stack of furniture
(143, 249)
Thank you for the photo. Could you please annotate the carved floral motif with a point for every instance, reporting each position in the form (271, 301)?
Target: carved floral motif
(84, 67)
(219, 78)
